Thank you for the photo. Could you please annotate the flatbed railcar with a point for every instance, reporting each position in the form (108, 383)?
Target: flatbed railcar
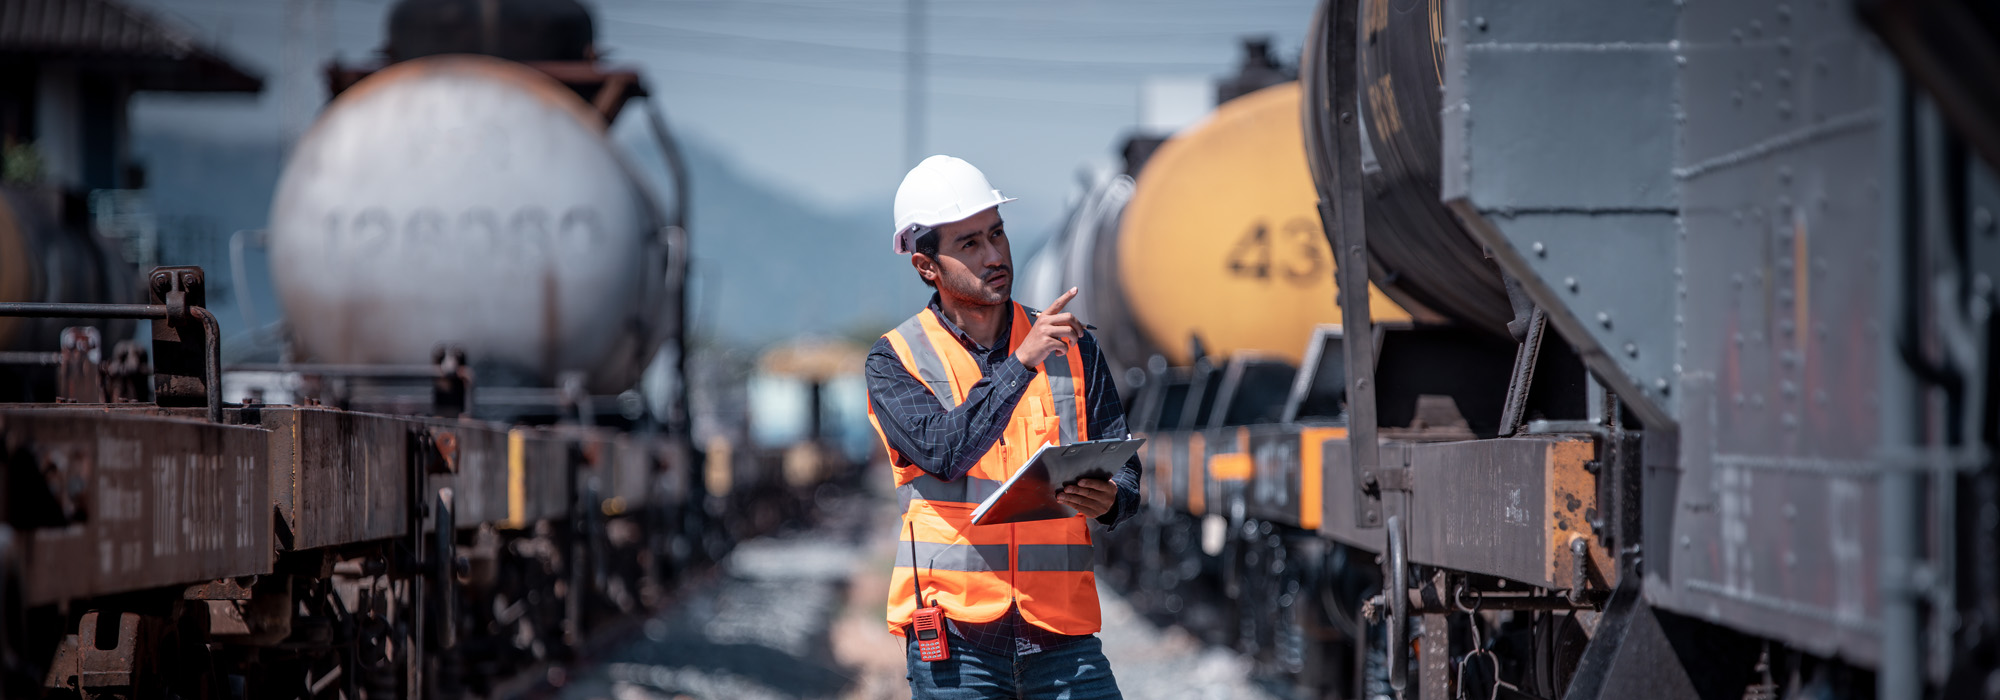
(308, 551)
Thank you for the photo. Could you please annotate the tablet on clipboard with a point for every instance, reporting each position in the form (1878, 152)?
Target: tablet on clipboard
(1031, 493)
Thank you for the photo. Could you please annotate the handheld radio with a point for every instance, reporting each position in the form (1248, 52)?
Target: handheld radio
(929, 618)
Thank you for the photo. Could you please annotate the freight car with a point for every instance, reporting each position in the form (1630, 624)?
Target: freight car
(1694, 397)
(464, 538)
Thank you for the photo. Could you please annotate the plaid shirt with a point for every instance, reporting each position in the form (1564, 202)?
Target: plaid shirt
(947, 444)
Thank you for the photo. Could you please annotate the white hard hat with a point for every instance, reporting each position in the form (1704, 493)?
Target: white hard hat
(940, 190)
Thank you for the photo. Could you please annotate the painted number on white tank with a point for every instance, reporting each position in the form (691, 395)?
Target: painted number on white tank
(1295, 253)
(530, 229)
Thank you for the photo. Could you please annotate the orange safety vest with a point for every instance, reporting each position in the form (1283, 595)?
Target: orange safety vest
(976, 572)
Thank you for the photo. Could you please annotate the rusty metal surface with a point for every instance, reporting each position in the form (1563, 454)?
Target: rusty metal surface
(338, 477)
(161, 502)
(1503, 507)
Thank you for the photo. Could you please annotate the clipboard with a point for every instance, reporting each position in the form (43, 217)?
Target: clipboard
(1030, 494)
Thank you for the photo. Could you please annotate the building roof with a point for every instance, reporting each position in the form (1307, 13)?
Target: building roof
(112, 37)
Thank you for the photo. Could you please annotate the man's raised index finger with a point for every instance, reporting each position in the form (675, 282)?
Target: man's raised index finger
(1057, 307)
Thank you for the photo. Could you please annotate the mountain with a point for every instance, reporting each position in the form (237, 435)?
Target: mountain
(769, 266)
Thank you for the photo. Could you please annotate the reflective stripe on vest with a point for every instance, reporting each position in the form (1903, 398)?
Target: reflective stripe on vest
(1054, 557)
(968, 490)
(930, 367)
(955, 557)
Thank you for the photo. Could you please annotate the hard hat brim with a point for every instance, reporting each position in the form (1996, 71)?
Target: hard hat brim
(904, 243)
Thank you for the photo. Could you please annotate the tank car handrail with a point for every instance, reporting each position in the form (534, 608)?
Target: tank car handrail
(211, 355)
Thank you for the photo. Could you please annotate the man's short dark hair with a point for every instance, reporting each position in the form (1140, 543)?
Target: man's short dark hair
(928, 245)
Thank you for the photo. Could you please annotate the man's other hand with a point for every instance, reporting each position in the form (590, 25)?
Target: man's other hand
(1091, 497)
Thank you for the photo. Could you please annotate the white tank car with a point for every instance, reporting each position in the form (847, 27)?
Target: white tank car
(469, 201)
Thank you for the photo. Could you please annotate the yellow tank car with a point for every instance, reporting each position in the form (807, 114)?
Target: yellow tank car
(1222, 237)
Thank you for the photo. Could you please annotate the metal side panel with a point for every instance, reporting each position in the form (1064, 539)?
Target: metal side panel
(1505, 507)
(1780, 547)
(478, 480)
(339, 477)
(1775, 528)
(1230, 466)
(1273, 491)
(1337, 519)
(635, 460)
(143, 502)
(1558, 153)
(538, 476)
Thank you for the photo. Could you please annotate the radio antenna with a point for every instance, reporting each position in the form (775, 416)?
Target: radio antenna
(916, 581)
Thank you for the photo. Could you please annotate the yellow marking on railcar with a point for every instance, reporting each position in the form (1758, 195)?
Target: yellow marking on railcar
(517, 478)
(1312, 444)
(1237, 466)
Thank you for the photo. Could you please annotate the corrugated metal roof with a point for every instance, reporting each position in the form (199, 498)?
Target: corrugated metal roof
(107, 29)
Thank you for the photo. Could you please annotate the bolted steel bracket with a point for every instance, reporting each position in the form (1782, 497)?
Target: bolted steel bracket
(179, 340)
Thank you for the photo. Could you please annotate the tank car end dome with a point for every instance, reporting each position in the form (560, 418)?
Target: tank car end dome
(469, 201)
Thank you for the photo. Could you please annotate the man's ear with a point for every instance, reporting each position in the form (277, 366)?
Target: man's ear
(926, 267)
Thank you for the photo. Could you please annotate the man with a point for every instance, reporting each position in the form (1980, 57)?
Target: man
(961, 395)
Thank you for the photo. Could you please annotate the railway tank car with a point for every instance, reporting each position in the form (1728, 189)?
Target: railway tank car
(1215, 241)
(1695, 400)
(169, 543)
(42, 261)
(458, 197)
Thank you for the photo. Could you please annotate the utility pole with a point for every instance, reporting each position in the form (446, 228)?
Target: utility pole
(913, 84)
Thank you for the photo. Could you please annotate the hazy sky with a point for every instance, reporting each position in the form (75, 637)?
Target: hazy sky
(808, 94)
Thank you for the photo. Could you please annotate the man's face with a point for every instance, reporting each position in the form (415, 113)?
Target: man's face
(974, 264)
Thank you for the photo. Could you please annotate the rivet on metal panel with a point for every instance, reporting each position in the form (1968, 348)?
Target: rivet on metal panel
(1662, 385)
(1604, 319)
(1785, 46)
(1570, 282)
(1479, 22)
(1541, 250)
(1632, 350)
(1346, 117)
(1982, 221)
(1756, 28)
(1784, 109)
(1685, 542)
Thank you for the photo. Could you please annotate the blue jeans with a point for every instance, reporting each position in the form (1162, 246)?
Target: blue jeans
(1075, 671)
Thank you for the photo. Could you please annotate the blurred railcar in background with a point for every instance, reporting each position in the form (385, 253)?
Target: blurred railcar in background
(454, 482)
